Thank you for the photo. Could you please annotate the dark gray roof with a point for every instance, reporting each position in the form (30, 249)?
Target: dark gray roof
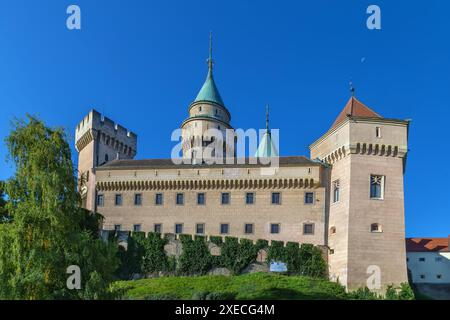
(167, 164)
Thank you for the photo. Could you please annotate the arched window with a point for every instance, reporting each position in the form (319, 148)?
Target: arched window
(375, 227)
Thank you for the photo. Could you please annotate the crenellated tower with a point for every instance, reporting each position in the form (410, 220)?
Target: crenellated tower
(366, 228)
(99, 140)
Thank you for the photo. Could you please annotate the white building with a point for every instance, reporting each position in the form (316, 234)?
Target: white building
(428, 260)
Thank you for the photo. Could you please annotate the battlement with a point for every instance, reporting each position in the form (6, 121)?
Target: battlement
(95, 125)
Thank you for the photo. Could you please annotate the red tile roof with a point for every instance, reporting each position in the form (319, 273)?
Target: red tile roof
(427, 244)
(356, 108)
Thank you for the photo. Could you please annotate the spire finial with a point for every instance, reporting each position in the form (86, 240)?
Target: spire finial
(210, 59)
(352, 89)
(267, 118)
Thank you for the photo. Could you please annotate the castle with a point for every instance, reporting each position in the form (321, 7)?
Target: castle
(347, 196)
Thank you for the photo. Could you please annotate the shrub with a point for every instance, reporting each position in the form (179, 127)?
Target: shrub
(237, 255)
(195, 259)
(363, 294)
(154, 257)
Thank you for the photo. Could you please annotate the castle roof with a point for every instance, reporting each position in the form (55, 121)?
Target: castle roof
(209, 91)
(355, 108)
(427, 244)
(168, 163)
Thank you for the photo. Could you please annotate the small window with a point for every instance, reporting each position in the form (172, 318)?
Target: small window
(225, 198)
(309, 197)
(200, 228)
(439, 276)
(249, 198)
(422, 276)
(331, 251)
(378, 132)
(274, 228)
(100, 200)
(376, 187)
(332, 230)
(118, 200)
(137, 228)
(276, 198)
(200, 109)
(336, 191)
(159, 199)
(138, 199)
(178, 228)
(106, 158)
(422, 259)
(180, 199)
(375, 227)
(248, 228)
(224, 228)
(201, 198)
(117, 227)
(157, 228)
(308, 229)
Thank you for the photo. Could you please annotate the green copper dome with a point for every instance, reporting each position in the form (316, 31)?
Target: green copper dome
(209, 91)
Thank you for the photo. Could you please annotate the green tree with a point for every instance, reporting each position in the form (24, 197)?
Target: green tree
(4, 216)
(49, 231)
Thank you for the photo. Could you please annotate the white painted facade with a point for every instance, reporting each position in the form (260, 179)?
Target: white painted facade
(429, 267)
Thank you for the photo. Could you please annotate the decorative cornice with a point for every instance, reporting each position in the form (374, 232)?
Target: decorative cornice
(367, 149)
(207, 184)
(84, 140)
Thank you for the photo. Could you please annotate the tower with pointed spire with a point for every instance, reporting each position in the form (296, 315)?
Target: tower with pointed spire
(207, 116)
(366, 154)
(266, 147)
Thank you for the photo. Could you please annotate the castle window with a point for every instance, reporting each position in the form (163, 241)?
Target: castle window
(331, 251)
(225, 198)
(100, 200)
(422, 276)
(137, 227)
(138, 199)
(376, 187)
(201, 200)
(118, 200)
(422, 259)
(200, 109)
(308, 228)
(159, 199)
(274, 228)
(378, 132)
(336, 191)
(248, 228)
(375, 227)
(249, 198)
(439, 276)
(224, 228)
(276, 198)
(332, 230)
(106, 158)
(309, 197)
(178, 228)
(157, 228)
(200, 228)
(117, 227)
(180, 199)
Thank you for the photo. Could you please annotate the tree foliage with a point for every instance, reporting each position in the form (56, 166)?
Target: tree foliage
(49, 231)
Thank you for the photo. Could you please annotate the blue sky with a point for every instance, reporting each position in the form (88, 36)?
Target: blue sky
(142, 62)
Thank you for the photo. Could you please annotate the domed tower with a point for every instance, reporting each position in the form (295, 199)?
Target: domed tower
(208, 122)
